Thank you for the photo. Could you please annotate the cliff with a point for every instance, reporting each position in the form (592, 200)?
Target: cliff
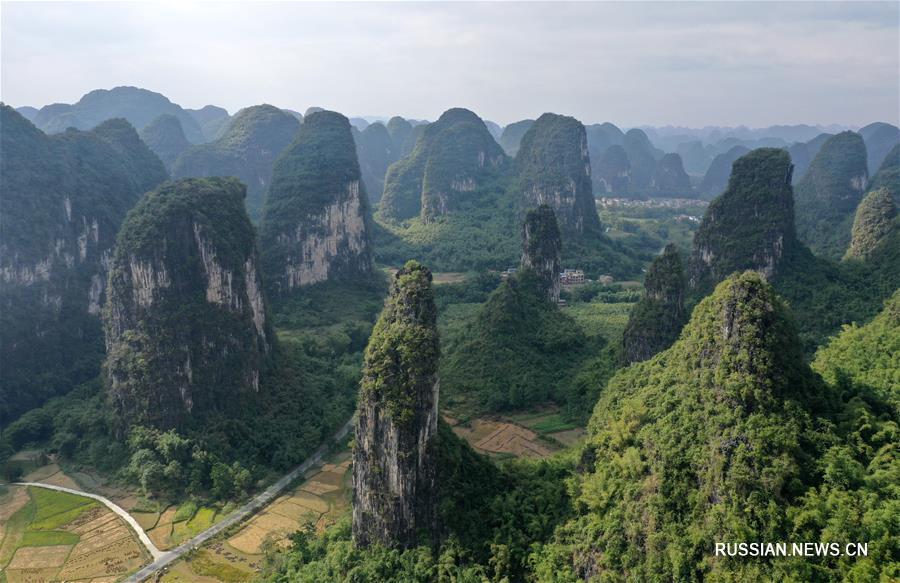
(315, 223)
(186, 325)
(553, 168)
(827, 196)
(165, 137)
(656, 320)
(248, 149)
(726, 241)
(64, 197)
(875, 221)
(541, 245)
(453, 159)
(642, 160)
(394, 469)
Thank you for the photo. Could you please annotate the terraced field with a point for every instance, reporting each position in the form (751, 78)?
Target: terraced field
(532, 434)
(56, 536)
(319, 501)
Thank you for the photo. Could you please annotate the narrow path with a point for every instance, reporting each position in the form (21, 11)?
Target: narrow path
(155, 552)
(254, 505)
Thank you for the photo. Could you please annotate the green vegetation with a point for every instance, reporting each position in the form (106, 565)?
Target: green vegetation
(828, 193)
(247, 148)
(888, 175)
(455, 157)
(187, 330)
(518, 350)
(316, 216)
(876, 218)
(64, 197)
(139, 106)
(54, 509)
(726, 436)
(165, 137)
(726, 242)
(656, 320)
(48, 538)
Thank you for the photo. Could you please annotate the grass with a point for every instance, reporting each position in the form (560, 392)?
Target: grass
(601, 319)
(54, 509)
(204, 564)
(48, 538)
(186, 511)
(203, 519)
(551, 424)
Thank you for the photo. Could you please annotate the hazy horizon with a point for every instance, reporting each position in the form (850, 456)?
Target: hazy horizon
(679, 64)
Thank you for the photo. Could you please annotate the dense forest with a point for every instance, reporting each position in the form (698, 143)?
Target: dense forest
(707, 333)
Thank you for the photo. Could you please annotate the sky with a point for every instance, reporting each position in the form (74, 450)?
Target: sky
(689, 64)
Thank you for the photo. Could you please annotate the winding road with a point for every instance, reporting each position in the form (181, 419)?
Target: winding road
(164, 558)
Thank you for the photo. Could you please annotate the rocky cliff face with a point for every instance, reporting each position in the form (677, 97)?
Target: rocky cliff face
(64, 197)
(876, 219)
(394, 483)
(186, 326)
(657, 318)
(750, 225)
(248, 149)
(554, 168)
(165, 137)
(670, 179)
(316, 219)
(454, 158)
(829, 192)
(541, 245)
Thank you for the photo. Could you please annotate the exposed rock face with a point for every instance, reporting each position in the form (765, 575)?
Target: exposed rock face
(186, 326)
(63, 199)
(829, 193)
(165, 137)
(715, 181)
(394, 471)
(452, 160)
(879, 138)
(750, 225)
(612, 172)
(876, 218)
(316, 219)
(139, 106)
(554, 168)
(248, 149)
(670, 179)
(512, 136)
(376, 152)
(657, 318)
(541, 246)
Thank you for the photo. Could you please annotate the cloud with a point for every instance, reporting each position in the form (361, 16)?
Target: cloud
(680, 63)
